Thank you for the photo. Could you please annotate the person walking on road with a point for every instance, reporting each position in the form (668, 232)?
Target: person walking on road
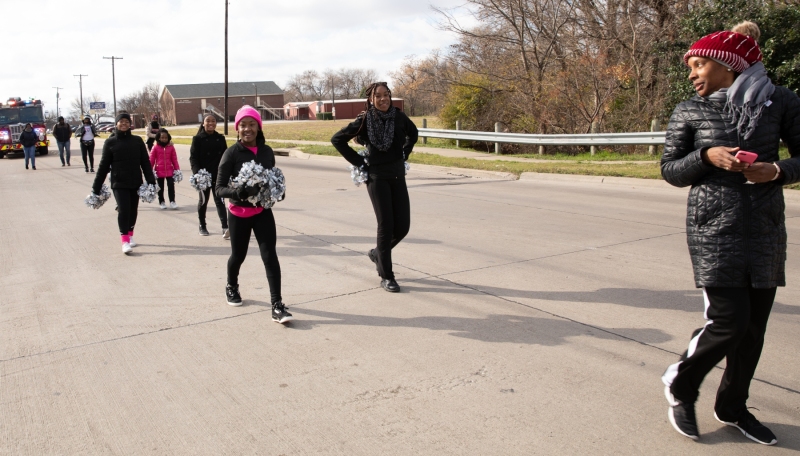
(205, 153)
(125, 157)
(735, 218)
(62, 132)
(86, 133)
(245, 217)
(28, 140)
(164, 161)
(389, 137)
(152, 132)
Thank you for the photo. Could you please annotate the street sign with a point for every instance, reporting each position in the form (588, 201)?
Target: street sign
(97, 105)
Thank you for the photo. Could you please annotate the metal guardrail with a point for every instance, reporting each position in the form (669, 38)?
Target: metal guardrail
(655, 138)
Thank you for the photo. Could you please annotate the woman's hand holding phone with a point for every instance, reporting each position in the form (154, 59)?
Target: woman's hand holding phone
(723, 157)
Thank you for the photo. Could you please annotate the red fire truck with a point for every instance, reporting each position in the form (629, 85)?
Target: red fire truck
(14, 114)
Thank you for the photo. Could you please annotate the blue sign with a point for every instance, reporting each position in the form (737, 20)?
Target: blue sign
(98, 105)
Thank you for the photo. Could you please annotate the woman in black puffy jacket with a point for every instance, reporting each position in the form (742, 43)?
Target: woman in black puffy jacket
(125, 157)
(389, 137)
(735, 217)
(205, 153)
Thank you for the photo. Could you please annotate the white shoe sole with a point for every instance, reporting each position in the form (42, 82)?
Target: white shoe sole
(283, 320)
(670, 398)
(234, 304)
(729, 423)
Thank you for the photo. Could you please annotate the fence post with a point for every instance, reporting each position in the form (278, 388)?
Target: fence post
(593, 149)
(497, 145)
(458, 127)
(424, 125)
(653, 127)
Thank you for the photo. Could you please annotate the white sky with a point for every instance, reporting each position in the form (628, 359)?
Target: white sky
(182, 42)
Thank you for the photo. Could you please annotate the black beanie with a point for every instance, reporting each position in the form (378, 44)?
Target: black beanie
(122, 115)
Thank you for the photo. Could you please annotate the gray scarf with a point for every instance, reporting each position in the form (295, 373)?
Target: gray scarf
(380, 128)
(747, 98)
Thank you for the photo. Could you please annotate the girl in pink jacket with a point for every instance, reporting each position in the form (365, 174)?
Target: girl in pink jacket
(165, 162)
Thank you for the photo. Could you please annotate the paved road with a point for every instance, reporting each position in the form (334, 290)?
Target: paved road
(536, 318)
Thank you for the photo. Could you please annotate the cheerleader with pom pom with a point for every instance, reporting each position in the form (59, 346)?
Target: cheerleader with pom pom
(164, 161)
(244, 216)
(389, 137)
(205, 154)
(125, 158)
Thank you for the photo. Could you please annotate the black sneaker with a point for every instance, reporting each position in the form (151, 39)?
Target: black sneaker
(682, 416)
(752, 429)
(374, 259)
(91, 170)
(390, 285)
(280, 314)
(86, 170)
(233, 296)
(203, 231)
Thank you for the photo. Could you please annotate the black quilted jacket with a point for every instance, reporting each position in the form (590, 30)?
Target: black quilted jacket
(735, 231)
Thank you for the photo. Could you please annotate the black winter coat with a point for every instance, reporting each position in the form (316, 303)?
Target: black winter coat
(62, 133)
(230, 165)
(28, 138)
(735, 231)
(206, 153)
(125, 156)
(387, 163)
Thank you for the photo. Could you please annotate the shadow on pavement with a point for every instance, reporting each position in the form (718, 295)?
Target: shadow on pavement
(787, 435)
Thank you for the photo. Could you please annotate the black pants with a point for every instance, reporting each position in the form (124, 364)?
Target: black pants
(87, 148)
(393, 211)
(736, 323)
(128, 206)
(202, 204)
(263, 226)
(150, 142)
(170, 189)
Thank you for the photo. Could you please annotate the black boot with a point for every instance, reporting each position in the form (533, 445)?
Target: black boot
(390, 285)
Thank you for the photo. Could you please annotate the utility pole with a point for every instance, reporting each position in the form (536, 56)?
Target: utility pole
(57, 97)
(80, 83)
(333, 101)
(226, 68)
(114, 81)
(256, 100)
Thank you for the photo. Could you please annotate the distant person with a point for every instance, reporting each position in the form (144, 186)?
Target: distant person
(28, 139)
(63, 132)
(125, 157)
(152, 132)
(735, 225)
(86, 133)
(205, 153)
(247, 218)
(164, 160)
(389, 136)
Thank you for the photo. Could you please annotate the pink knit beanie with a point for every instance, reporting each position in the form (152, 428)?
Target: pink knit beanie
(247, 111)
(733, 49)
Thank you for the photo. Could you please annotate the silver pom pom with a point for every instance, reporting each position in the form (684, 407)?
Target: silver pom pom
(148, 192)
(270, 182)
(96, 201)
(274, 190)
(359, 175)
(177, 176)
(201, 180)
(364, 153)
(407, 166)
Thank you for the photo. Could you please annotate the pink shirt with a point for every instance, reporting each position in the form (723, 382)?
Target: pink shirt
(245, 212)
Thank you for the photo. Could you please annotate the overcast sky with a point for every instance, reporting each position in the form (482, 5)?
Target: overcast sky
(182, 41)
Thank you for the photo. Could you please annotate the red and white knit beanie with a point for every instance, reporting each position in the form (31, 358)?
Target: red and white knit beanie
(732, 49)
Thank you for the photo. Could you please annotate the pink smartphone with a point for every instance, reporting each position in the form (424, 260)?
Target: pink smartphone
(746, 157)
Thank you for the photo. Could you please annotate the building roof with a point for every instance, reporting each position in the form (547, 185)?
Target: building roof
(217, 89)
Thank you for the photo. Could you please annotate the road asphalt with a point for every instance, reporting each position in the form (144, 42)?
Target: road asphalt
(536, 317)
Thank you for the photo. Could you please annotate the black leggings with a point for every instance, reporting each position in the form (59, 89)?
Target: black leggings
(87, 148)
(393, 211)
(737, 320)
(202, 204)
(263, 226)
(128, 205)
(170, 191)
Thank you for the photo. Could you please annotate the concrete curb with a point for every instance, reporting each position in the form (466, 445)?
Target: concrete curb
(610, 180)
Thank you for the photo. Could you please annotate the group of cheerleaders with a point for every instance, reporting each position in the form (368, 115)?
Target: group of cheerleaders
(385, 132)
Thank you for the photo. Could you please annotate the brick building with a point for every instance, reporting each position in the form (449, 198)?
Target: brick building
(345, 109)
(186, 103)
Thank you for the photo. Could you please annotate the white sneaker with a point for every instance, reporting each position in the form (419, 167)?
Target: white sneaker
(126, 248)
(173, 205)
(163, 206)
(132, 242)
(226, 234)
